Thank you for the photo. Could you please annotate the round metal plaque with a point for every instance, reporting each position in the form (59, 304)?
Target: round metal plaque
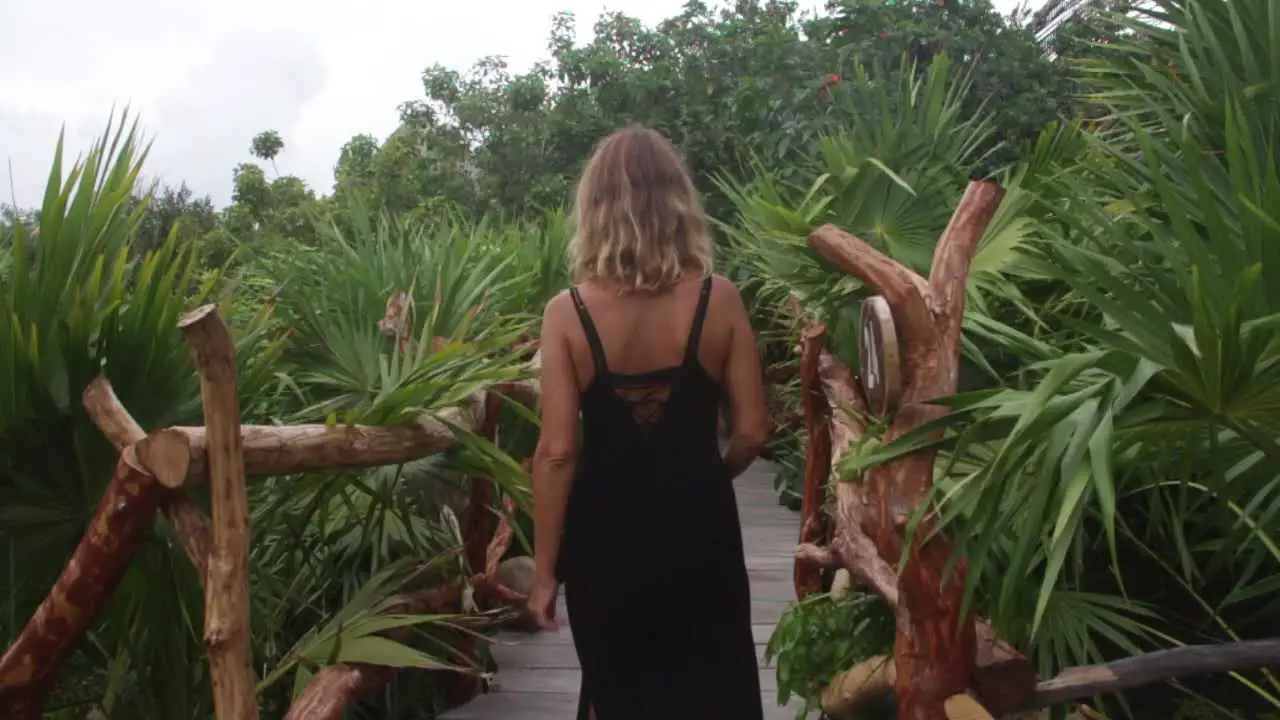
(880, 363)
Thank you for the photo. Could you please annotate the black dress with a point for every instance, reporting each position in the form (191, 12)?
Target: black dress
(652, 559)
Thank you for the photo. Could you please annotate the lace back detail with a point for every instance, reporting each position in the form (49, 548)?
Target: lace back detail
(645, 396)
(645, 400)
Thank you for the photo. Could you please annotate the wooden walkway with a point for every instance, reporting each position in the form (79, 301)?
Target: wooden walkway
(538, 673)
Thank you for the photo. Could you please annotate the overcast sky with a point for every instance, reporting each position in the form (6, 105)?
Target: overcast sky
(207, 75)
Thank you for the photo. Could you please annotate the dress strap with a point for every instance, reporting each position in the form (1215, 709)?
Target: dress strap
(589, 327)
(699, 316)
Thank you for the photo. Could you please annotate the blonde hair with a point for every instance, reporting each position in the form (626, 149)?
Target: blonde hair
(637, 220)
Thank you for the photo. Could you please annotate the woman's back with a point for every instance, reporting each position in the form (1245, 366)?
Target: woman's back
(650, 403)
(643, 332)
(634, 505)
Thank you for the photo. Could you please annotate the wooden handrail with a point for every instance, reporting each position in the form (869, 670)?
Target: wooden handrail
(152, 473)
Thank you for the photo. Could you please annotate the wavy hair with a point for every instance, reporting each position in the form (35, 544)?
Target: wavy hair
(638, 221)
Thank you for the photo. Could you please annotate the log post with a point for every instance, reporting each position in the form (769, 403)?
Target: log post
(226, 623)
(124, 516)
(935, 646)
(476, 529)
(476, 534)
(817, 456)
(152, 472)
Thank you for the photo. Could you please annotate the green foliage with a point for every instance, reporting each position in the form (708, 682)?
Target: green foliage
(824, 635)
(1108, 470)
(891, 176)
(84, 295)
(725, 83)
(81, 300)
(1117, 493)
(1108, 481)
(1013, 80)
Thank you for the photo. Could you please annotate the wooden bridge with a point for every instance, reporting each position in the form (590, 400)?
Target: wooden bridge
(538, 673)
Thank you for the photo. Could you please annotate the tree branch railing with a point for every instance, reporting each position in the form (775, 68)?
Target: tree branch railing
(151, 476)
(945, 664)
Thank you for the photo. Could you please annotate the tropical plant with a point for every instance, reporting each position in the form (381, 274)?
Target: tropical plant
(824, 635)
(1119, 491)
(78, 303)
(890, 170)
(327, 548)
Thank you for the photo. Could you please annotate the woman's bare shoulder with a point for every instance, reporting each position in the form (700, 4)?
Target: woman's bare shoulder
(560, 300)
(724, 288)
(557, 310)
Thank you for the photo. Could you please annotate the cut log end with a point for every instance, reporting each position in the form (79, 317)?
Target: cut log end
(197, 316)
(870, 679)
(964, 707)
(167, 456)
(211, 345)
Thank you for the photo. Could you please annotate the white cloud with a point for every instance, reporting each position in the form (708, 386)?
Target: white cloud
(205, 77)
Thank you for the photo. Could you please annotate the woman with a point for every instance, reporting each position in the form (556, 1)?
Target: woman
(641, 525)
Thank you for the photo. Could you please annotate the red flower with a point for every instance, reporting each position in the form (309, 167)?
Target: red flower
(830, 79)
(884, 36)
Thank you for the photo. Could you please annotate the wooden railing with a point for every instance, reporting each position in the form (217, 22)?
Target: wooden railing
(152, 475)
(946, 664)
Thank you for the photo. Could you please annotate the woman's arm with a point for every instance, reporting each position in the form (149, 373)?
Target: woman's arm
(744, 384)
(556, 458)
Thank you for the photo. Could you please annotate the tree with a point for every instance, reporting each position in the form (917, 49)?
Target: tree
(267, 145)
(1011, 77)
(176, 211)
(355, 172)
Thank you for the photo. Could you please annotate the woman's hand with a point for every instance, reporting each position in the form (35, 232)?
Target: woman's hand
(542, 602)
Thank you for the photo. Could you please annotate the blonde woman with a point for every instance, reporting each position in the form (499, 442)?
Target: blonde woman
(639, 521)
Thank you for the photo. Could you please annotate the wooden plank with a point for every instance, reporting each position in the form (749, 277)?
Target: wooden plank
(538, 675)
(518, 706)
(559, 637)
(767, 611)
(761, 632)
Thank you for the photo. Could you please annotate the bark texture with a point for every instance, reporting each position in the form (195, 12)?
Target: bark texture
(291, 449)
(817, 459)
(226, 613)
(124, 516)
(477, 532)
(936, 645)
